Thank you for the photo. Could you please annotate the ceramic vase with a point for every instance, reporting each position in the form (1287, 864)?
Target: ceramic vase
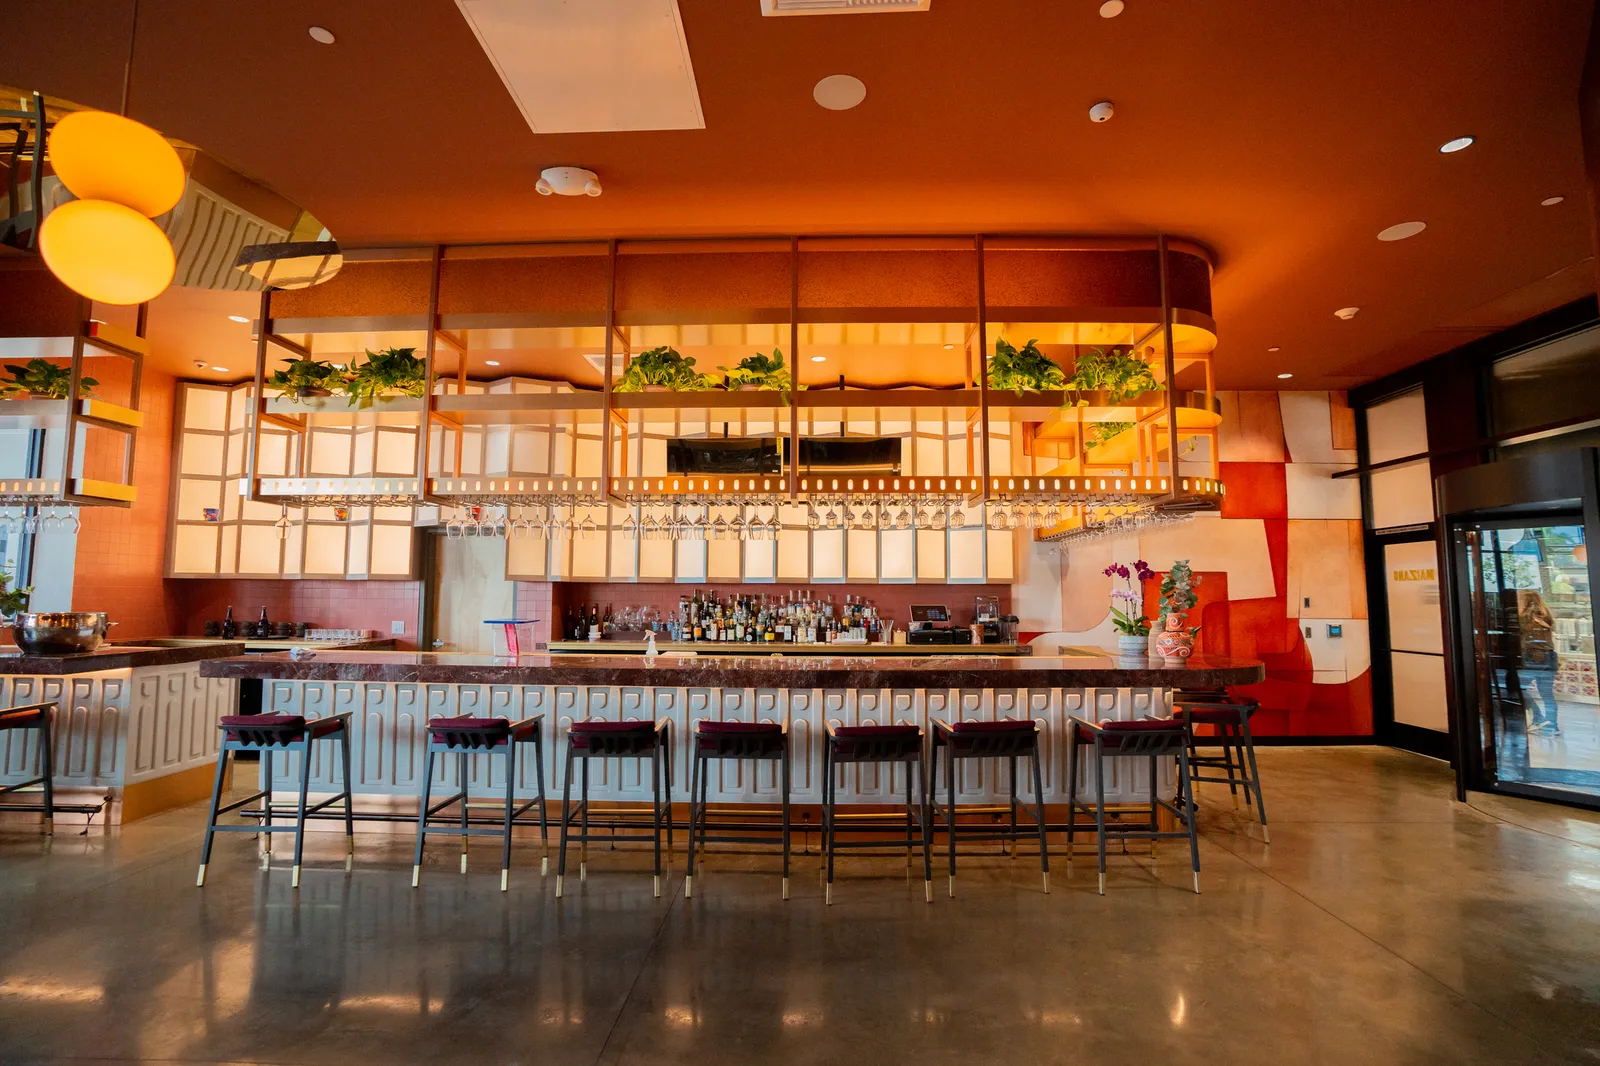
(1132, 645)
(1176, 643)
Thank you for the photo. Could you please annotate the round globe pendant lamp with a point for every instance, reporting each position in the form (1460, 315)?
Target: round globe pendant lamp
(107, 251)
(101, 156)
(103, 245)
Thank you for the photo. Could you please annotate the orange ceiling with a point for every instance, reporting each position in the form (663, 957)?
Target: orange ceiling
(1284, 136)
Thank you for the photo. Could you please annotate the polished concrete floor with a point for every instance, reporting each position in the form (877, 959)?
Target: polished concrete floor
(1384, 924)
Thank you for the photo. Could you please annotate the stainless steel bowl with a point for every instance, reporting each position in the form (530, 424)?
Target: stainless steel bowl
(59, 632)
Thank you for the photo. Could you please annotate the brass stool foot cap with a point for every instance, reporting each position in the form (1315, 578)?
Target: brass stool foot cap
(266, 860)
(1197, 883)
(49, 827)
(1102, 884)
(927, 891)
(560, 884)
(952, 887)
(688, 887)
(827, 895)
(416, 876)
(1266, 837)
(656, 889)
(294, 878)
(785, 888)
(200, 881)
(1047, 884)
(544, 866)
(463, 862)
(505, 879)
(583, 873)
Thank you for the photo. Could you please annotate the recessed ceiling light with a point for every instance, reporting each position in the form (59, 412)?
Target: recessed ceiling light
(948, 347)
(1456, 145)
(819, 359)
(237, 318)
(839, 92)
(491, 362)
(1346, 313)
(1274, 348)
(1281, 376)
(321, 35)
(220, 369)
(1401, 231)
(1111, 9)
(1551, 201)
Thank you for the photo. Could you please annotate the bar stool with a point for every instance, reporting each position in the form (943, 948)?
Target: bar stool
(35, 716)
(466, 736)
(266, 734)
(1005, 738)
(1231, 719)
(758, 741)
(1142, 738)
(863, 744)
(595, 738)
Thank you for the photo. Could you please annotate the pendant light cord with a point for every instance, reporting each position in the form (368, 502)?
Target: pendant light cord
(127, 70)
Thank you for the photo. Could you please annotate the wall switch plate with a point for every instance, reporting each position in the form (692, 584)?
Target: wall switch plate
(397, 628)
(1308, 601)
(1308, 632)
(1335, 631)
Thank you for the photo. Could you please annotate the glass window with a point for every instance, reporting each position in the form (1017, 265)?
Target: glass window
(1553, 382)
(1401, 495)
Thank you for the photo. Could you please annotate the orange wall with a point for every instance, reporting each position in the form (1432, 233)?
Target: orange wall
(122, 551)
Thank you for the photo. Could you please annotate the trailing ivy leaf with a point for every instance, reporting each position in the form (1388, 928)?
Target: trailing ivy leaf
(1103, 432)
(392, 372)
(1024, 370)
(305, 374)
(663, 366)
(41, 377)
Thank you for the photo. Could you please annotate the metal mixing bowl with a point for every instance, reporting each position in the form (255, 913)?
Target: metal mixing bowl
(59, 632)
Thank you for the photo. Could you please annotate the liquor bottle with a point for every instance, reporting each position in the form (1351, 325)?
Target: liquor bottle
(594, 618)
(230, 628)
(263, 627)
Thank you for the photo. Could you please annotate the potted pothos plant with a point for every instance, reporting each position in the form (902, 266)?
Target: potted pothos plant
(662, 369)
(12, 601)
(759, 371)
(1100, 433)
(391, 372)
(304, 378)
(41, 379)
(1023, 370)
(1122, 375)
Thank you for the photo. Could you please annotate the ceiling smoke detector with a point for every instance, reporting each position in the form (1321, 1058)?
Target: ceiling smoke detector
(1102, 112)
(839, 7)
(568, 181)
(1346, 313)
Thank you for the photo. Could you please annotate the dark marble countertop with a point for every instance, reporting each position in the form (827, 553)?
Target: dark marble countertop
(117, 657)
(609, 646)
(714, 671)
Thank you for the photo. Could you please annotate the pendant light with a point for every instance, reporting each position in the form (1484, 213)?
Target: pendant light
(103, 245)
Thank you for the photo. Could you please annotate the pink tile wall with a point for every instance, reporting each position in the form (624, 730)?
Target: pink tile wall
(324, 604)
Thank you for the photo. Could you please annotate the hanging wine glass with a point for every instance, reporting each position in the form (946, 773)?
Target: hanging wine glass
(940, 516)
(813, 520)
(736, 528)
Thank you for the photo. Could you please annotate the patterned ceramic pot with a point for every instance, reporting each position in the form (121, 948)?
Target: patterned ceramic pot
(1176, 643)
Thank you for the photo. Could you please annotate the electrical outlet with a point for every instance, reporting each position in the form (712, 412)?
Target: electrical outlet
(397, 629)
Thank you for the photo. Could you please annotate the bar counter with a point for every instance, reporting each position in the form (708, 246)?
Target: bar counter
(609, 646)
(391, 696)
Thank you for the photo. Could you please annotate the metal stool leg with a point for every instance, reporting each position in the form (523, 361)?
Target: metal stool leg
(911, 814)
(211, 822)
(300, 812)
(950, 813)
(566, 820)
(1249, 747)
(1012, 843)
(266, 808)
(583, 832)
(1038, 813)
(461, 773)
(1188, 817)
(1072, 790)
(694, 814)
(655, 811)
(47, 770)
(925, 824)
(1100, 808)
(544, 825)
(422, 816)
(786, 777)
(511, 784)
(828, 787)
(349, 802)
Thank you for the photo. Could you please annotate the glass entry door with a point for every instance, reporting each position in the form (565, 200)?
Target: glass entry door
(1528, 624)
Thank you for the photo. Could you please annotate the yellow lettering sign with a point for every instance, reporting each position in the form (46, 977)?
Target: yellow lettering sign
(1414, 575)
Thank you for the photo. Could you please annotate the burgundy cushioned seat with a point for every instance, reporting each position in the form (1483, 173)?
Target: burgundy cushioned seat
(600, 726)
(870, 731)
(493, 730)
(1136, 725)
(285, 727)
(1003, 725)
(711, 728)
(1222, 713)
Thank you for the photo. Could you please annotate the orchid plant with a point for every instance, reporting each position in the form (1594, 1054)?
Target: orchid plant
(1130, 620)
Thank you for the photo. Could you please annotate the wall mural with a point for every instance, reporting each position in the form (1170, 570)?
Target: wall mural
(1281, 567)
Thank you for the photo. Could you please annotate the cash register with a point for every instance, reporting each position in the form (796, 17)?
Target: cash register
(930, 624)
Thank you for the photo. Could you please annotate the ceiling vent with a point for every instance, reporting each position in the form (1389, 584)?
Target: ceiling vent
(839, 7)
